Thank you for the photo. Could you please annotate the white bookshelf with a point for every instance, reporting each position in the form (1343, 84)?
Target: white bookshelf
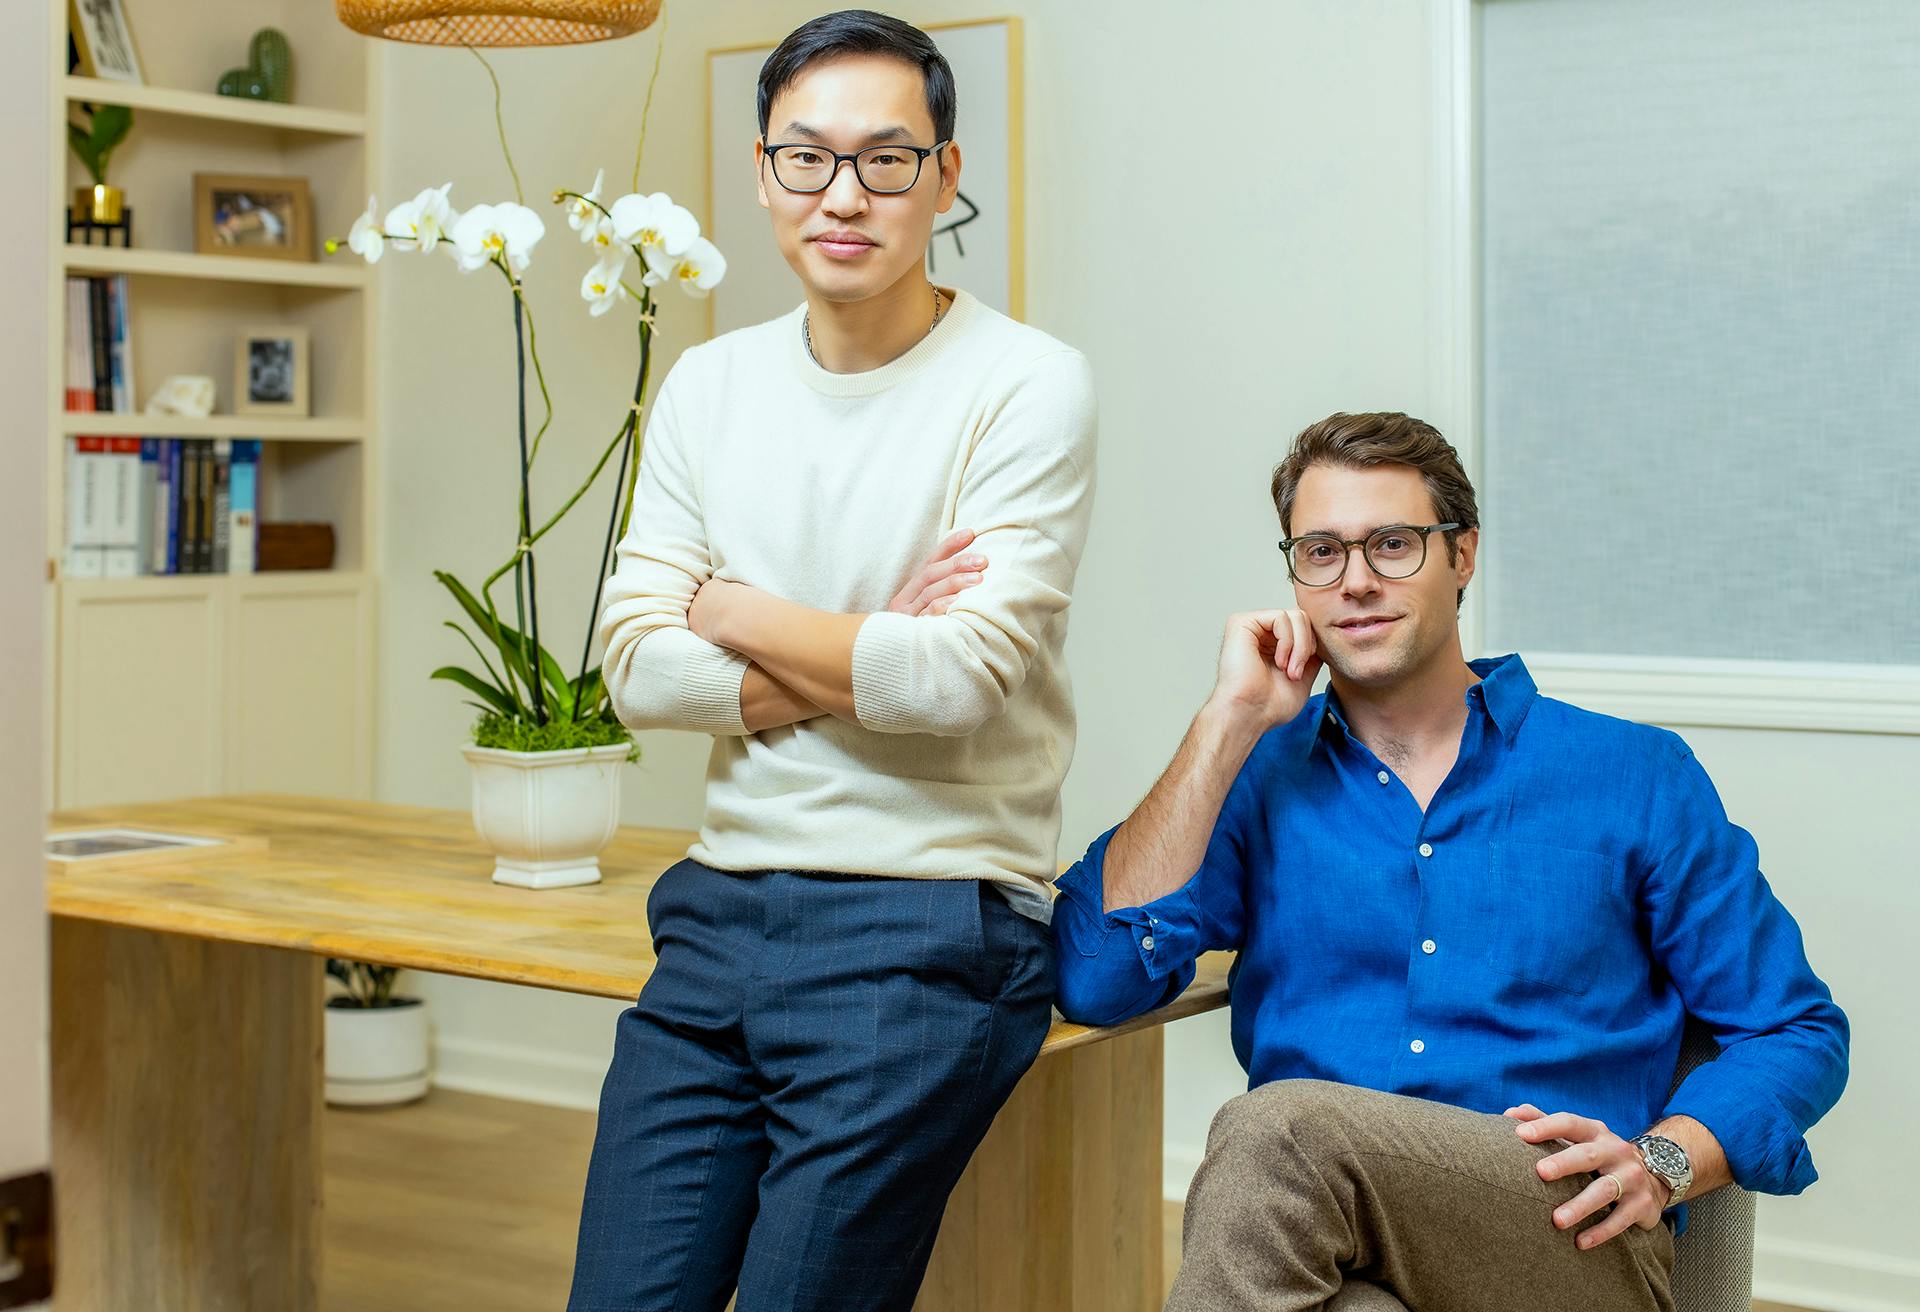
(206, 105)
(168, 686)
(336, 274)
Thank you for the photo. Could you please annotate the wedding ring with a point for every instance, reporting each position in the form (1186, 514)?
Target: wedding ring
(1617, 1189)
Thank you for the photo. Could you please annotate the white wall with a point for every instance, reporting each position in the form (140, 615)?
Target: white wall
(1259, 243)
(1838, 830)
(23, 596)
(1244, 222)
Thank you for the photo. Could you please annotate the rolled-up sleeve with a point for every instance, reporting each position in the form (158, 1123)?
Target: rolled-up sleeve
(1113, 965)
(659, 673)
(1737, 958)
(1027, 494)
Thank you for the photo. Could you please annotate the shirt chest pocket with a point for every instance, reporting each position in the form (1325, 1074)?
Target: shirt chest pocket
(1557, 915)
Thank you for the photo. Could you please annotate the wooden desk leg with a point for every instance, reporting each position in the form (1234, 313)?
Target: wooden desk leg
(187, 1091)
(1060, 1210)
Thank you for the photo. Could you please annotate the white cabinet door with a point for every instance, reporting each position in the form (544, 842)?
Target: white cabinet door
(300, 695)
(139, 677)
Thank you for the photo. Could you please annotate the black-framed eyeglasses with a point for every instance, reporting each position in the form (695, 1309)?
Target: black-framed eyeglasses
(1393, 551)
(804, 168)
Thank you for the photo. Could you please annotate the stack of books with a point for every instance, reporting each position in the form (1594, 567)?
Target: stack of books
(156, 505)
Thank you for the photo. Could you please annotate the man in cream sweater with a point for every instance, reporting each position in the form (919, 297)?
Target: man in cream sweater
(854, 966)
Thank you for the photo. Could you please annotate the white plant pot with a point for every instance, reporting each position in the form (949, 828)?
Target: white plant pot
(546, 815)
(377, 1055)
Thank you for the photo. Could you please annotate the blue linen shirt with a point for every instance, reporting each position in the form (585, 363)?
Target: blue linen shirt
(1539, 934)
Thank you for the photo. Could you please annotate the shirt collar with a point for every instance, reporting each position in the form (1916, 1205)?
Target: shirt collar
(1506, 692)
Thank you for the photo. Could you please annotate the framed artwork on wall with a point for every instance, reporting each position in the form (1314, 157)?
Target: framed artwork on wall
(260, 217)
(271, 369)
(979, 244)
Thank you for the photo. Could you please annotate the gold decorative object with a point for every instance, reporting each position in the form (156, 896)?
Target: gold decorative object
(100, 202)
(498, 22)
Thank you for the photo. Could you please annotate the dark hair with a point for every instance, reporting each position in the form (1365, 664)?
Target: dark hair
(860, 32)
(1365, 441)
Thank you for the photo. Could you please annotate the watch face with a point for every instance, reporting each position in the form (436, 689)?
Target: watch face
(1665, 1156)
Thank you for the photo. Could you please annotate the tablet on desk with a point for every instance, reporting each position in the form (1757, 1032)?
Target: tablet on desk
(79, 844)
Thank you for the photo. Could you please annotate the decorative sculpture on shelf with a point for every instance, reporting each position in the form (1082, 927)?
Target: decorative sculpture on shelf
(101, 208)
(269, 71)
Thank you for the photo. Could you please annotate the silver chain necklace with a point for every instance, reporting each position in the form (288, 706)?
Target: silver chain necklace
(806, 325)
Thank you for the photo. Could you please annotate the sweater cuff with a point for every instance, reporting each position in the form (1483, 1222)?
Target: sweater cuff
(710, 689)
(883, 694)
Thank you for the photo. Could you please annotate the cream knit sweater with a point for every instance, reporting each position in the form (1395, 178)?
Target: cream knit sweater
(830, 490)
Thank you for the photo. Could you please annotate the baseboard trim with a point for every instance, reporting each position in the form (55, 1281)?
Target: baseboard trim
(1180, 1162)
(526, 1074)
(1834, 1279)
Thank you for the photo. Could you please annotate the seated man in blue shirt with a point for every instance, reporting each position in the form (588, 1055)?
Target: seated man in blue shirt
(1471, 922)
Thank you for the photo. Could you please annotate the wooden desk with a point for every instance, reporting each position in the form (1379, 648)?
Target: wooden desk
(187, 1075)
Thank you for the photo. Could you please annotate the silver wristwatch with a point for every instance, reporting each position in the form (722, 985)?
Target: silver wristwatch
(1668, 1160)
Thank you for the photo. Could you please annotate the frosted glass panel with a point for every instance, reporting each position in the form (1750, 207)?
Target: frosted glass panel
(1701, 327)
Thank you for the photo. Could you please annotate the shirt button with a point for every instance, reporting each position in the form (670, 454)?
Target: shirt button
(1426, 849)
(1146, 942)
(1418, 1045)
(1383, 776)
(1428, 947)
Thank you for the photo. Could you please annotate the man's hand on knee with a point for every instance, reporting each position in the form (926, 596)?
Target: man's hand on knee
(1620, 1179)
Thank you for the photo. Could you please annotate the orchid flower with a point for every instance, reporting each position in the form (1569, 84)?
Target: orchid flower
(654, 224)
(599, 235)
(583, 216)
(365, 238)
(423, 222)
(601, 287)
(697, 271)
(488, 232)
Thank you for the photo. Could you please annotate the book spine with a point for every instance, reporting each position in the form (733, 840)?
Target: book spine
(122, 534)
(243, 506)
(189, 506)
(86, 555)
(222, 487)
(79, 333)
(161, 487)
(143, 506)
(205, 509)
(102, 354)
(122, 346)
(176, 480)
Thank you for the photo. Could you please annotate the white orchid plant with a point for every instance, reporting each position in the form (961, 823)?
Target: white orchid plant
(528, 702)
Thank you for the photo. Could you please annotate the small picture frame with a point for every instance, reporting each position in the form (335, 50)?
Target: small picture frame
(103, 40)
(271, 369)
(259, 217)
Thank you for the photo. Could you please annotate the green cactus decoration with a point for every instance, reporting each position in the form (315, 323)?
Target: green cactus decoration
(269, 71)
(272, 58)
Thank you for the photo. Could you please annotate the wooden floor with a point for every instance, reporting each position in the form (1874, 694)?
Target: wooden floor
(460, 1203)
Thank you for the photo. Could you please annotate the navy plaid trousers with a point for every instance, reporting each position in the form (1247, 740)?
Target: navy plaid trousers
(800, 1085)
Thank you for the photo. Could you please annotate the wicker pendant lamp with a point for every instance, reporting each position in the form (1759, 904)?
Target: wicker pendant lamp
(498, 22)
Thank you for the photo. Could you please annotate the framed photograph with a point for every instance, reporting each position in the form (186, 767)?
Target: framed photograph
(980, 244)
(271, 369)
(239, 214)
(103, 40)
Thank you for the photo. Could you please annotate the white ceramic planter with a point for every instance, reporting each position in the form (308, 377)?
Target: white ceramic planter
(377, 1055)
(546, 815)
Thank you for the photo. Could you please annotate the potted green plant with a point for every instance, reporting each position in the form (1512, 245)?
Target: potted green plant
(377, 1044)
(547, 747)
(94, 141)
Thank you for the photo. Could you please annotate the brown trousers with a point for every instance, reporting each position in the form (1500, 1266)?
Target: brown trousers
(1316, 1195)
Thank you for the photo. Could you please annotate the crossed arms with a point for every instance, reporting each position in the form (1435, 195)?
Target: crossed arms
(690, 646)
